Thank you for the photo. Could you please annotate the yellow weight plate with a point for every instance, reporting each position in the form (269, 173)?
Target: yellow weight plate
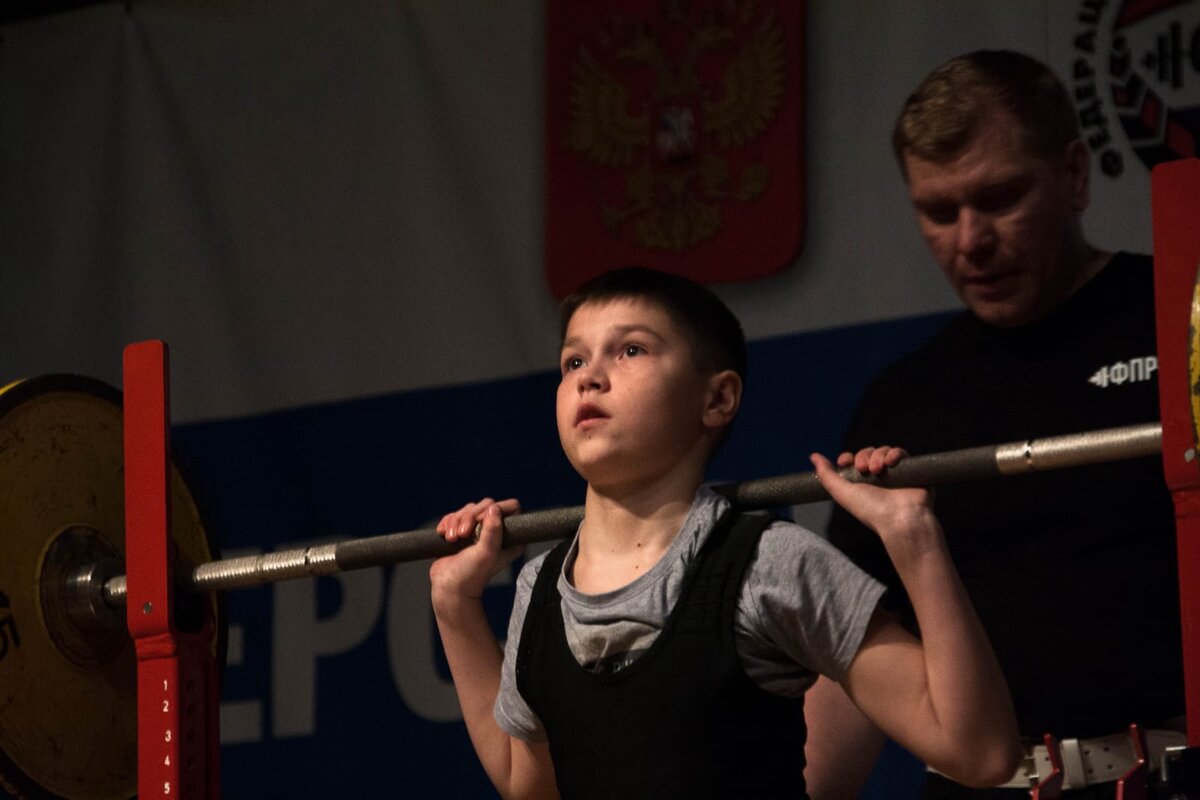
(68, 699)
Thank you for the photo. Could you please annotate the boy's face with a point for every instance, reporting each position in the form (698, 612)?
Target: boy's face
(631, 401)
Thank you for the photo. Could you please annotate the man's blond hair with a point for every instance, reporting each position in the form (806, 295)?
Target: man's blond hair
(946, 111)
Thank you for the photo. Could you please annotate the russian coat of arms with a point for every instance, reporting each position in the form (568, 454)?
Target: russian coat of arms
(667, 120)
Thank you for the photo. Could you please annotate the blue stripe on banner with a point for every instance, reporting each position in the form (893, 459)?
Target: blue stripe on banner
(336, 687)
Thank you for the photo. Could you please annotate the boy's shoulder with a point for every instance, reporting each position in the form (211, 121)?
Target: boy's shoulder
(787, 541)
(787, 551)
(533, 567)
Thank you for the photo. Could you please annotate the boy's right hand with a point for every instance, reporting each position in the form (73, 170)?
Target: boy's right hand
(464, 575)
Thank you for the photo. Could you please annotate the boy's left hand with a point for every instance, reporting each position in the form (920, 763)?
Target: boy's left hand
(903, 518)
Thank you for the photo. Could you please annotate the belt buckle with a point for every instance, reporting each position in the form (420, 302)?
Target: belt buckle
(1126, 759)
(1135, 783)
(1069, 763)
(1050, 786)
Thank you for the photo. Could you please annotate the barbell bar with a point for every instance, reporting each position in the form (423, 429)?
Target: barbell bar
(973, 463)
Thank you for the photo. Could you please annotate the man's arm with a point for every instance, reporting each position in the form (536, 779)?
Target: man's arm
(944, 697)
(517, 768)
(842, 745)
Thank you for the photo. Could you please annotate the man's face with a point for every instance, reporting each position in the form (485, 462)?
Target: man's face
(631, 400)
(1003, 224)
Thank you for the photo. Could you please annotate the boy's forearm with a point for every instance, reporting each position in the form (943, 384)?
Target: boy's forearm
(457, 582)
(842, 745)
(475, 660)
(473, 654)
(967, 694)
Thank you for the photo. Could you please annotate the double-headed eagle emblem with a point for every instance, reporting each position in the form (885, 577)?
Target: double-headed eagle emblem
(678, 107)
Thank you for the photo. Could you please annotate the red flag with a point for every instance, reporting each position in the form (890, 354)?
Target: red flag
(673, 138)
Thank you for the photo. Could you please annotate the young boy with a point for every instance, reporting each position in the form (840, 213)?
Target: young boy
(664, 652)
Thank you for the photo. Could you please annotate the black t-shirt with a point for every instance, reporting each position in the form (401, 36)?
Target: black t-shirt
(1073, 572)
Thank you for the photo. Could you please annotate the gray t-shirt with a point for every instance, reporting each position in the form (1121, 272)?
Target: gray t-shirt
(803, 610)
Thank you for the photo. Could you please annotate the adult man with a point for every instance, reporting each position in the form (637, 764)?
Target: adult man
(1073, 573)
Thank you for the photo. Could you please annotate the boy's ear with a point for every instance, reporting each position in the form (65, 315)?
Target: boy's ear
(724, 398)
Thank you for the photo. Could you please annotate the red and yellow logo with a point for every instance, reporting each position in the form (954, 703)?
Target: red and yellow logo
(673, 138)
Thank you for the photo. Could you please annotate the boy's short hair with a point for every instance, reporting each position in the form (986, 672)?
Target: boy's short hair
(945, 112)
(712, 330)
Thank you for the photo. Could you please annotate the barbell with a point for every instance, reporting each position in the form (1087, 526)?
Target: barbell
(63, 642)
(975, 463)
